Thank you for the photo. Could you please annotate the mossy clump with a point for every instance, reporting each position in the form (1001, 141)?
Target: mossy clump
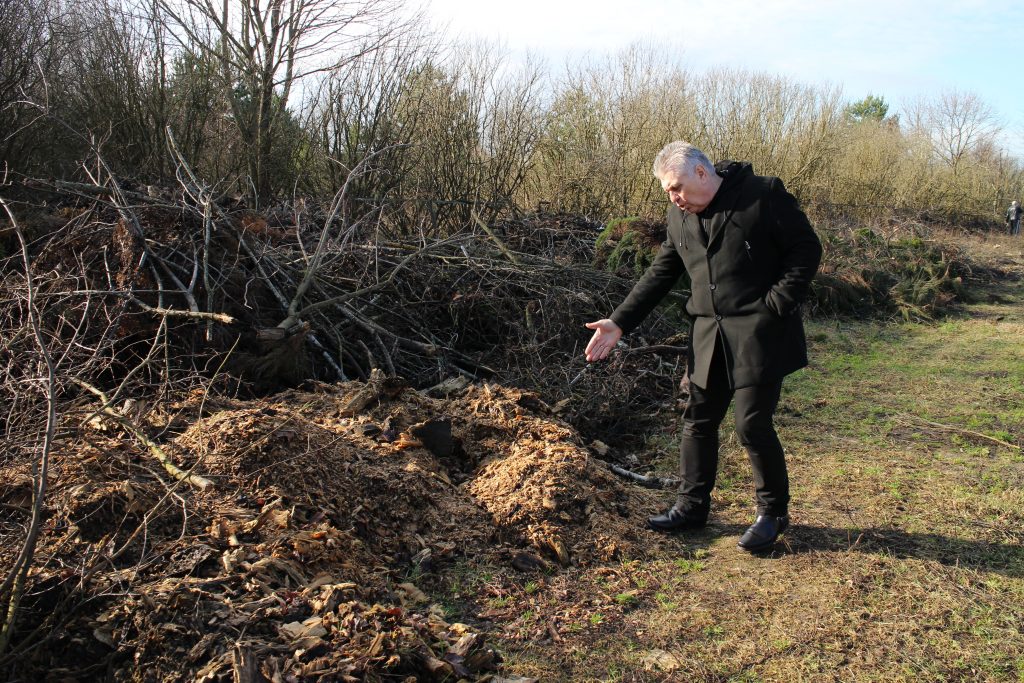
(627, 246)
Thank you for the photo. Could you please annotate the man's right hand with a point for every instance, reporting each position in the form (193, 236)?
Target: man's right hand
(606, 336)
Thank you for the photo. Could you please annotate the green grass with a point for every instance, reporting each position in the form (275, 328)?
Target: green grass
(686, 566)
(625, 598)
(905, 560)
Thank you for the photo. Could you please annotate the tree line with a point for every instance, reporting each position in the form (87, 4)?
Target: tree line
(270, 99)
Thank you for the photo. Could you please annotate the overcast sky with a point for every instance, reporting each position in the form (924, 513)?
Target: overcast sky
(899, 49)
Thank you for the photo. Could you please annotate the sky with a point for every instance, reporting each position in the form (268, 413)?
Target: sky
(898, 49)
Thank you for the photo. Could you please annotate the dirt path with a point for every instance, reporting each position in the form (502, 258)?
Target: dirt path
(905, 561)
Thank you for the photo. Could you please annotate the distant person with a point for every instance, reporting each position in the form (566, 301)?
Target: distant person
(750, 253)
(1013, 215)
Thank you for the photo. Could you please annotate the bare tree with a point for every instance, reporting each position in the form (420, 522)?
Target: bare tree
(960, 123)
(607, 119)
(116, 85)
(511, 124)
(264, 48)
(33, 45)
(366, 109)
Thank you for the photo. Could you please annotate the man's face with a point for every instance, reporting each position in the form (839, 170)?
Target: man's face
(690, 192)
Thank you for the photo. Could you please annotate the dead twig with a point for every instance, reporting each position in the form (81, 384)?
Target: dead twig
(158, 453)
(490, 233)
(958, 430)
(157, 310)
(342, 298)
(659, 348)
(647, 481)
(176, 313)
(13, 584)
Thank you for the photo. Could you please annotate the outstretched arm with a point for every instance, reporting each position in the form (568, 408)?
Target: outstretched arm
(645, 295)
(606, 336)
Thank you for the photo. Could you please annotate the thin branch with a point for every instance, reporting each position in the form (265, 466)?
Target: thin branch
(314, 263)
(14, 581)
(342, 298)
(959, 430)
(658, 348)
(177, 313)
(648, 481)
(158, 453)
(501, 245)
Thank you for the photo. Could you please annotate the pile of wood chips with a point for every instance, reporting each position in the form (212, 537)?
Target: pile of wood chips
(332, 513)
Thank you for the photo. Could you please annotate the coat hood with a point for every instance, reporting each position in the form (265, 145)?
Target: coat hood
(733, 172)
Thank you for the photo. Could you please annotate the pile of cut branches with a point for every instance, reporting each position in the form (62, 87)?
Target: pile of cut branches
(902, 268)
(121, 300)
(149, 293)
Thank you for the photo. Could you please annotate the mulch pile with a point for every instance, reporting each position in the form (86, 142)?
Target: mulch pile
(301, 562)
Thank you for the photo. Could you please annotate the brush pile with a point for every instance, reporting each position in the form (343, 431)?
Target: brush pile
(897, 269)
(174, 511)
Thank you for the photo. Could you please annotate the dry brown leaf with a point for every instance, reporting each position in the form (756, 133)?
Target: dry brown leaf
(410, 594)
(311, 627)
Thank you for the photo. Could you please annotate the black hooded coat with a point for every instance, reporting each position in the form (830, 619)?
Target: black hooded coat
(751, 256)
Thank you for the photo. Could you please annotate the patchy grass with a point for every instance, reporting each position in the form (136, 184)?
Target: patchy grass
(905, 559)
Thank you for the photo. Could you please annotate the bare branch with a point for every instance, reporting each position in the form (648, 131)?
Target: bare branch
(15, 578)
(158, 453)
(647, 481)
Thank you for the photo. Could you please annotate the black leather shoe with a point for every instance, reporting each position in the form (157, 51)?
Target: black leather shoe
(763, 533)
(675, 520)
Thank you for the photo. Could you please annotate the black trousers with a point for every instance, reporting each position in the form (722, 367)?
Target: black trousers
(698, 457)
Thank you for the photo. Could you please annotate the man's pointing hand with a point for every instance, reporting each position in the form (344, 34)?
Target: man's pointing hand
(606, 336)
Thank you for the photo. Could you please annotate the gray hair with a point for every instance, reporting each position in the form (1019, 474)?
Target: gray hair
(680, 156)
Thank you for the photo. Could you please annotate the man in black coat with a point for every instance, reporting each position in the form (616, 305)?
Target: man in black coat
(751, 254)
